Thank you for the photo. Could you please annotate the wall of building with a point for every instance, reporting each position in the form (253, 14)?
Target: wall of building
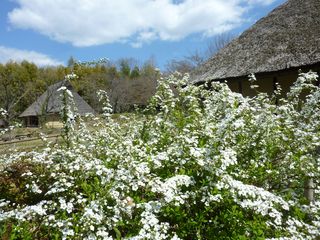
(37, 121)
(2, 123)
(267, 81)
(52, 118)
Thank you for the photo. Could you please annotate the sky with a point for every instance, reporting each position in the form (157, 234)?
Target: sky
(49, 32)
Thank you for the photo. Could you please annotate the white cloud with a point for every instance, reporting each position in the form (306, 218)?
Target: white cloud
(95, 22)
(263, 2)
(17, 55)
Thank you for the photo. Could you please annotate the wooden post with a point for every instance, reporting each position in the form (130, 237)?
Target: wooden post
(309, 185)
(309, 189)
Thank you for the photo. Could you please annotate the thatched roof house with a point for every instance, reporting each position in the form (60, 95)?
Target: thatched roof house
(48, 105)
(286, 40)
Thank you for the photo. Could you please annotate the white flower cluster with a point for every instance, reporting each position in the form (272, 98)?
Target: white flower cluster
(152, 227)
(170, 188)
(71, 76)
(106, 105)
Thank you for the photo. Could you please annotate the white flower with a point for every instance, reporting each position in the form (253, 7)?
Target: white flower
(239, 123)
(35, 188)
(67, 232)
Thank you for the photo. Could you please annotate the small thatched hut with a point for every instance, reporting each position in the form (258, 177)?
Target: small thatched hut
(48, 106)
(274, 48)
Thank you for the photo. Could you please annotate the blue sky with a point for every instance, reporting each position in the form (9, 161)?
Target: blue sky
(48, 32)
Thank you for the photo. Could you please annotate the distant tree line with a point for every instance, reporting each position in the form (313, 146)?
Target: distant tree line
(127, 83)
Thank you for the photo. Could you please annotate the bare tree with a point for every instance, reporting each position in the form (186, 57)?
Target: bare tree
(216, 43)
(126, 92)
(194, 60)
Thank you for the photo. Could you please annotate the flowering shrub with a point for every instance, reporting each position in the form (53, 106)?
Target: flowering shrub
(3, 115)
(68, 113)
(201, 162)
(7, 129)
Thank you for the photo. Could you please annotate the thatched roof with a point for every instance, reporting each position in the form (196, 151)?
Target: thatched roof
(50, 102)
(287, 37)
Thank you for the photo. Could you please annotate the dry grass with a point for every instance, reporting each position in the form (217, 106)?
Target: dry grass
(54, 125)
(31, 140)
(26, 144)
